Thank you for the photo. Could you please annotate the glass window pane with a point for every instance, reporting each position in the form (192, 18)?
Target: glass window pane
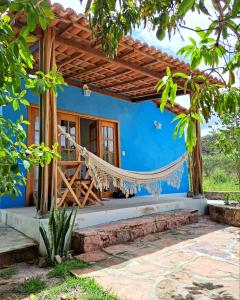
(105, 156)
(72, 128)
(64, 155)
(111, 158)
(110, 146)
(110, 133)
(63, 141)
(104, 131)
(72, 146)
(105, 145)
(72, 155)
(64, 125)
(37, 137)
(37, 123)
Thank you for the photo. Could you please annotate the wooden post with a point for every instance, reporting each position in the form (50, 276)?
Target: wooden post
(197, 164)
(48, 124)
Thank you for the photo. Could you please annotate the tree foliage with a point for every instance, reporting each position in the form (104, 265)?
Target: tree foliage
(218, 48)
(227, 139)
(15, 62)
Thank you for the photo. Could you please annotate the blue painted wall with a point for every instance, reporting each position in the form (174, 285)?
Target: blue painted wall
(146, 147)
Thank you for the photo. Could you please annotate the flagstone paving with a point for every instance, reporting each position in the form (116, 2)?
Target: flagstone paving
(193, 262)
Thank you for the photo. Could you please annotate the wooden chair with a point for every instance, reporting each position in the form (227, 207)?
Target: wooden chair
(78, 190)
(85, 191)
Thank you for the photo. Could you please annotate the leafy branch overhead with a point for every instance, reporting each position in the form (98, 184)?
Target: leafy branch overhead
(16, 61)
(218, 49)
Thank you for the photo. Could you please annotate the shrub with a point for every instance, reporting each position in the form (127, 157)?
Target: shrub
(32, 285)
(63, 269)
(219, 177)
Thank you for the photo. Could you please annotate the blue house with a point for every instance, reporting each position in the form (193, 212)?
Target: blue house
(108, 104)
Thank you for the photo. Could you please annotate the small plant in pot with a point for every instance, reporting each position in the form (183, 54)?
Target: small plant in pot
(58, 238)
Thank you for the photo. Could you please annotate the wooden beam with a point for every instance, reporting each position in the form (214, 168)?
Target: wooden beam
(121, 73)
(97, 89)
(69, 59)
(151, 96)
(137, 89)
(47, 178)
(125, 82)
(112, 76)
(97, 53)
(96, 68)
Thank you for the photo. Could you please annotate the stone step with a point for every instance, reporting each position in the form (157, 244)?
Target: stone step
(98, 237)
(15, 247)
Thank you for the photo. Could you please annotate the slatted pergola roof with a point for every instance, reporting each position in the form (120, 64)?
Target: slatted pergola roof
(132, 75)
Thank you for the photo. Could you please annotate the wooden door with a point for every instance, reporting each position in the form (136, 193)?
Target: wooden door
(108, 142)
(70, 124)
(108, 148)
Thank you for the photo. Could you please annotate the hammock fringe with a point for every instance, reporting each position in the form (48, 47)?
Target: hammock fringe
(105, 175)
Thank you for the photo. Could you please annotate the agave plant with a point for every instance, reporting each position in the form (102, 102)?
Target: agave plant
(60, 226)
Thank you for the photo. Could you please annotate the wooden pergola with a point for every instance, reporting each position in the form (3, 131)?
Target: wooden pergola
(132, 76)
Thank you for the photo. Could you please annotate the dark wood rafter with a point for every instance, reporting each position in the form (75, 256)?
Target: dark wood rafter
(47, 184)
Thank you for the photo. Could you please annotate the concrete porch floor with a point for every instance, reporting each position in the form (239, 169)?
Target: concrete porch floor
(24, 219)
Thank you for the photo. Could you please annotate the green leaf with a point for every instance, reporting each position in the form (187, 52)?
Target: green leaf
(203, 8)
(193, 41)
(43, 22)
(235, 8)
(164, 97)
(173, 92)
(181, 75)
(31, 21)
(185, 6)
(168, 71)
(25, 102)
(201, 33)
(15, 104)
(197, 117)
(180, 116)
(26, 164)
(15, 168)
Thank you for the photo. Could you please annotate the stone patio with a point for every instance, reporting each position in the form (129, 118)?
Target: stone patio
(197, 261)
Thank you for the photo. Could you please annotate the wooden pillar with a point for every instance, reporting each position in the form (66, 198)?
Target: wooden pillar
(48, 124)
(197, 165)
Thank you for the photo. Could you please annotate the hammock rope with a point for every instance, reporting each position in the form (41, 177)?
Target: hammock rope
(105, 175)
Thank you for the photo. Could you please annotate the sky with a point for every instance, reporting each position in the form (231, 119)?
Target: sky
(171, 47)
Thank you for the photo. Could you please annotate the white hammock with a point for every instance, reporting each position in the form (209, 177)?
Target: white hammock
(105, 175)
